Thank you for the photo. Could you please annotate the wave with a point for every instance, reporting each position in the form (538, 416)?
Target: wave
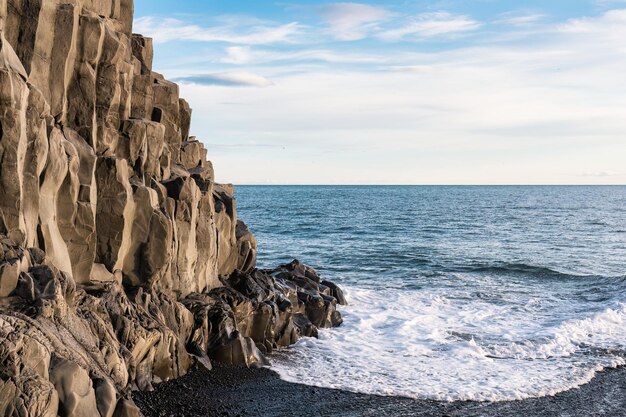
(505, 268)
(602, 333)
(435, 343)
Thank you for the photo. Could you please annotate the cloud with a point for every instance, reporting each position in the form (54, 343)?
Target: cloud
(603, 36)
(415, 69)
(524, 20)
(428, 25)
(167, 29)
(227, 79)
(612, 23)
(352, 21)
(608, 3)
(542, 106)
(238, 55)
(599, 174)
(519, 112)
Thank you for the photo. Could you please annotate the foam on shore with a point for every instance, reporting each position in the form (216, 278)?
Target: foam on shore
(460, 344)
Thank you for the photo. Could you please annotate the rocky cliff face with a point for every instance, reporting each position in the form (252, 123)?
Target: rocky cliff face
(122, 262)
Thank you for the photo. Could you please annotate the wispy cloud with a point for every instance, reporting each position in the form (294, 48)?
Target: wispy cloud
(520, 20)
(352, 21)
(167, 29)
(428, 25)
(600, 174)
(245, 55)
(609, 3)
(227, 79)
(612, 22)
(238, 55)
(489, 110)
(415, 69)
(517, 90)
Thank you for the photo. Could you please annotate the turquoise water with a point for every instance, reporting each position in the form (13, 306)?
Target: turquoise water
(488, 293)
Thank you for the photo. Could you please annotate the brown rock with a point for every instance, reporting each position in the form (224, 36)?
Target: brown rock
(126, 408)
(143, 50)
(114, 212)
(77, 205)
(106, 397)
(76, 395)
(122, 262)
(185, 121)
(13, 105)
(192, 154)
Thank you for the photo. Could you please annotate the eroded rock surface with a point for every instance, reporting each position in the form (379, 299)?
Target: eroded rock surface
(122, 263)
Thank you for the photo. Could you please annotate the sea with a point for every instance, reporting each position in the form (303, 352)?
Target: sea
(486, 293)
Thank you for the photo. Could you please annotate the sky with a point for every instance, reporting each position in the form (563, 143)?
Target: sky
(400, 92)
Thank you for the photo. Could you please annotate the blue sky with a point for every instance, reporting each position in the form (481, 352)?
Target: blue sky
(400, 92)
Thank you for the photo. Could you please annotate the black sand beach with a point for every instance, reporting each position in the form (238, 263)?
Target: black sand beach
(231, 391)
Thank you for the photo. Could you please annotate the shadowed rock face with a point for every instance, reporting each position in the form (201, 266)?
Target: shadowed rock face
(122, 262)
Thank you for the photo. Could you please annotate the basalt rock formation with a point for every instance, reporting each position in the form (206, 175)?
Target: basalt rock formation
(122, 262)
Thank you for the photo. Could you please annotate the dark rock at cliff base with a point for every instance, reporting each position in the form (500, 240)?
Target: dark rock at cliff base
(269, 309)
(336, 292)
(122, 263)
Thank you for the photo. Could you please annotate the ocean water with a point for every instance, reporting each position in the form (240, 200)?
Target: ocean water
(456, 293)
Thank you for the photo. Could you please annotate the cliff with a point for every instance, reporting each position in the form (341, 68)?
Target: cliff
(122, 262)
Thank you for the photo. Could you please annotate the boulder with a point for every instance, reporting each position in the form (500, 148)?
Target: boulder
(106, 397)
(76, 395)
(126, 408)
(192, 155)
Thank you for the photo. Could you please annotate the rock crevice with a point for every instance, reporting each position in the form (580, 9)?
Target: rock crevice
(122, 263)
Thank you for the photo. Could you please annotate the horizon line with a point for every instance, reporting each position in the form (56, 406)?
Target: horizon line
(418, 185)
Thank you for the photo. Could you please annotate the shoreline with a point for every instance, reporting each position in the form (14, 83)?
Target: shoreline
(236, 391)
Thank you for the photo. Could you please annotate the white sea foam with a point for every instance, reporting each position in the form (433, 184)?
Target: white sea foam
(451, 346)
